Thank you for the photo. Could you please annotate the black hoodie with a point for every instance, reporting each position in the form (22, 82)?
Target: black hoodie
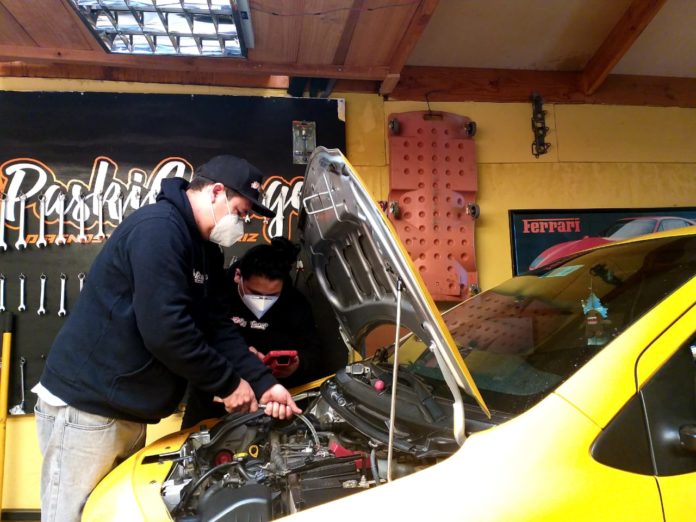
(148, 320)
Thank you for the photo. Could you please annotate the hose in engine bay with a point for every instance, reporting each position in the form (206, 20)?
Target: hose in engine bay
(315, 435)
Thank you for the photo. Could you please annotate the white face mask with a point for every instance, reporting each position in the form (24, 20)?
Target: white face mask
(228, 230)
(257, 304)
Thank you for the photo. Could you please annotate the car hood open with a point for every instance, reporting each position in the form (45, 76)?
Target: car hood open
(360, 264)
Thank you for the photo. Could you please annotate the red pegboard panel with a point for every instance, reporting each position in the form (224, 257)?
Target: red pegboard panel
(433, 180)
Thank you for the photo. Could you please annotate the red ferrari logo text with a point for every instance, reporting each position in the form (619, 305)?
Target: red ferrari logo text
(543, 226)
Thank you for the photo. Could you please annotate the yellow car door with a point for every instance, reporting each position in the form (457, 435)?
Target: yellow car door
(666, 377)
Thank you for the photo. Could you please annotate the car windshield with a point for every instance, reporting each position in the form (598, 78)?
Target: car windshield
(628, 229)
(524, 338)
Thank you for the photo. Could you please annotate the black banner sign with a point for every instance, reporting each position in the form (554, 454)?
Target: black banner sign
(96, 157)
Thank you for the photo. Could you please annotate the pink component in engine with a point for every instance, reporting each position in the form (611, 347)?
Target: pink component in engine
(379, 385)
(340, 451)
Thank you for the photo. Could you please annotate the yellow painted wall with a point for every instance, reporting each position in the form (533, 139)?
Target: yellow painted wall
(601, 156)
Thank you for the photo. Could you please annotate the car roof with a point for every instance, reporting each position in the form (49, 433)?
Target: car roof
(676, 232)
(636, 218)
(682, 231)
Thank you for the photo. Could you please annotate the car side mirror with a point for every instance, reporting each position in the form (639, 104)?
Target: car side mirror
(687, 436)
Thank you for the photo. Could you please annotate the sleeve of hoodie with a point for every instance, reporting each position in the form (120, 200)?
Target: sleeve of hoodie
(159, 253)
(224, 335)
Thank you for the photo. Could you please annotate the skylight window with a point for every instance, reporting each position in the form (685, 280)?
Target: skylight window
(165, 27)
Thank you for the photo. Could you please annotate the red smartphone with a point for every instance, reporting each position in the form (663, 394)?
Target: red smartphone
(276, 358)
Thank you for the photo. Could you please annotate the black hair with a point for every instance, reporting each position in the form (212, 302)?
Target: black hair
(198, 183)
(272, 261)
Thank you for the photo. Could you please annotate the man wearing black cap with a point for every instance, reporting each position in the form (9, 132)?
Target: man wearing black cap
(147, 321)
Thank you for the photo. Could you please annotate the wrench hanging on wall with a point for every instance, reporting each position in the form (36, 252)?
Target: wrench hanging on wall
(82, 238)
(22, 241)
(120, 207)
(41, 242)
(2, 292)
(81, 277)
(42, 298)
(3, 244)
(21, 306)
(62, 312)
(100, 213)
(60, 238)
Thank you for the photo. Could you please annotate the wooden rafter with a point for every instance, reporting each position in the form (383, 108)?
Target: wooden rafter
(191, 64)
(495, 85)
(126, 74)
(409, 40)
(123, 74)
(439, 83)
(636, 18)
(505, 85)
(347, 34)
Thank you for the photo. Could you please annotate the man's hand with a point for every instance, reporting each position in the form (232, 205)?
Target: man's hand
(242, 399)
(279, 403)
(258, 354)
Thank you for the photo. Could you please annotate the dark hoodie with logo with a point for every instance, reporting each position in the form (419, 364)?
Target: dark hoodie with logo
(149, 319)
(287, 325)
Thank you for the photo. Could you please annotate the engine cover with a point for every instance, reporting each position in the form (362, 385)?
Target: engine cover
(249, 503)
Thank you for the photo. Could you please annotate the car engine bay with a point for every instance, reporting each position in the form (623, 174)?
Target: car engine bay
(253, 466)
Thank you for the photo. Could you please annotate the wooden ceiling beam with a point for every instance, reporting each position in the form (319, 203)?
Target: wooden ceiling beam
(627, 30)
(440, 84)
(490, 85)
(348, 31)
(412, 34)
(389, 83)
(504, 85)
(408, 42)
(186, 63)
(123, 74)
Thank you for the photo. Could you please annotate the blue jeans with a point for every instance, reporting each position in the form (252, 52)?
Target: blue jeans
(78, 449)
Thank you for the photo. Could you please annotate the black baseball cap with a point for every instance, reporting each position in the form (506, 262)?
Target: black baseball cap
(239, 175)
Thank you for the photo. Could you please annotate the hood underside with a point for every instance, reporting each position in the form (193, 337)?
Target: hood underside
(361, 266)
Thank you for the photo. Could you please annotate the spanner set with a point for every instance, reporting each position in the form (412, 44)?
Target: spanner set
(42, 239)
(42, 280)
(39, 276)
(14, 289)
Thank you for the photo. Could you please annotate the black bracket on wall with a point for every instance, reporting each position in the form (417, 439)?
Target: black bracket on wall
(539, 128)
(318, 87)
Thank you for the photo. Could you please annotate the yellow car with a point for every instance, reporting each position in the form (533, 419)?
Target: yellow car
(568, 393)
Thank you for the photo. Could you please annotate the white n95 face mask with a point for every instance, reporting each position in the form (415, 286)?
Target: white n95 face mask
(228, 230)
(259, 304)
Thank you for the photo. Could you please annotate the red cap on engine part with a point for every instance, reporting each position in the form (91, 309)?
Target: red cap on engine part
(223, 457)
